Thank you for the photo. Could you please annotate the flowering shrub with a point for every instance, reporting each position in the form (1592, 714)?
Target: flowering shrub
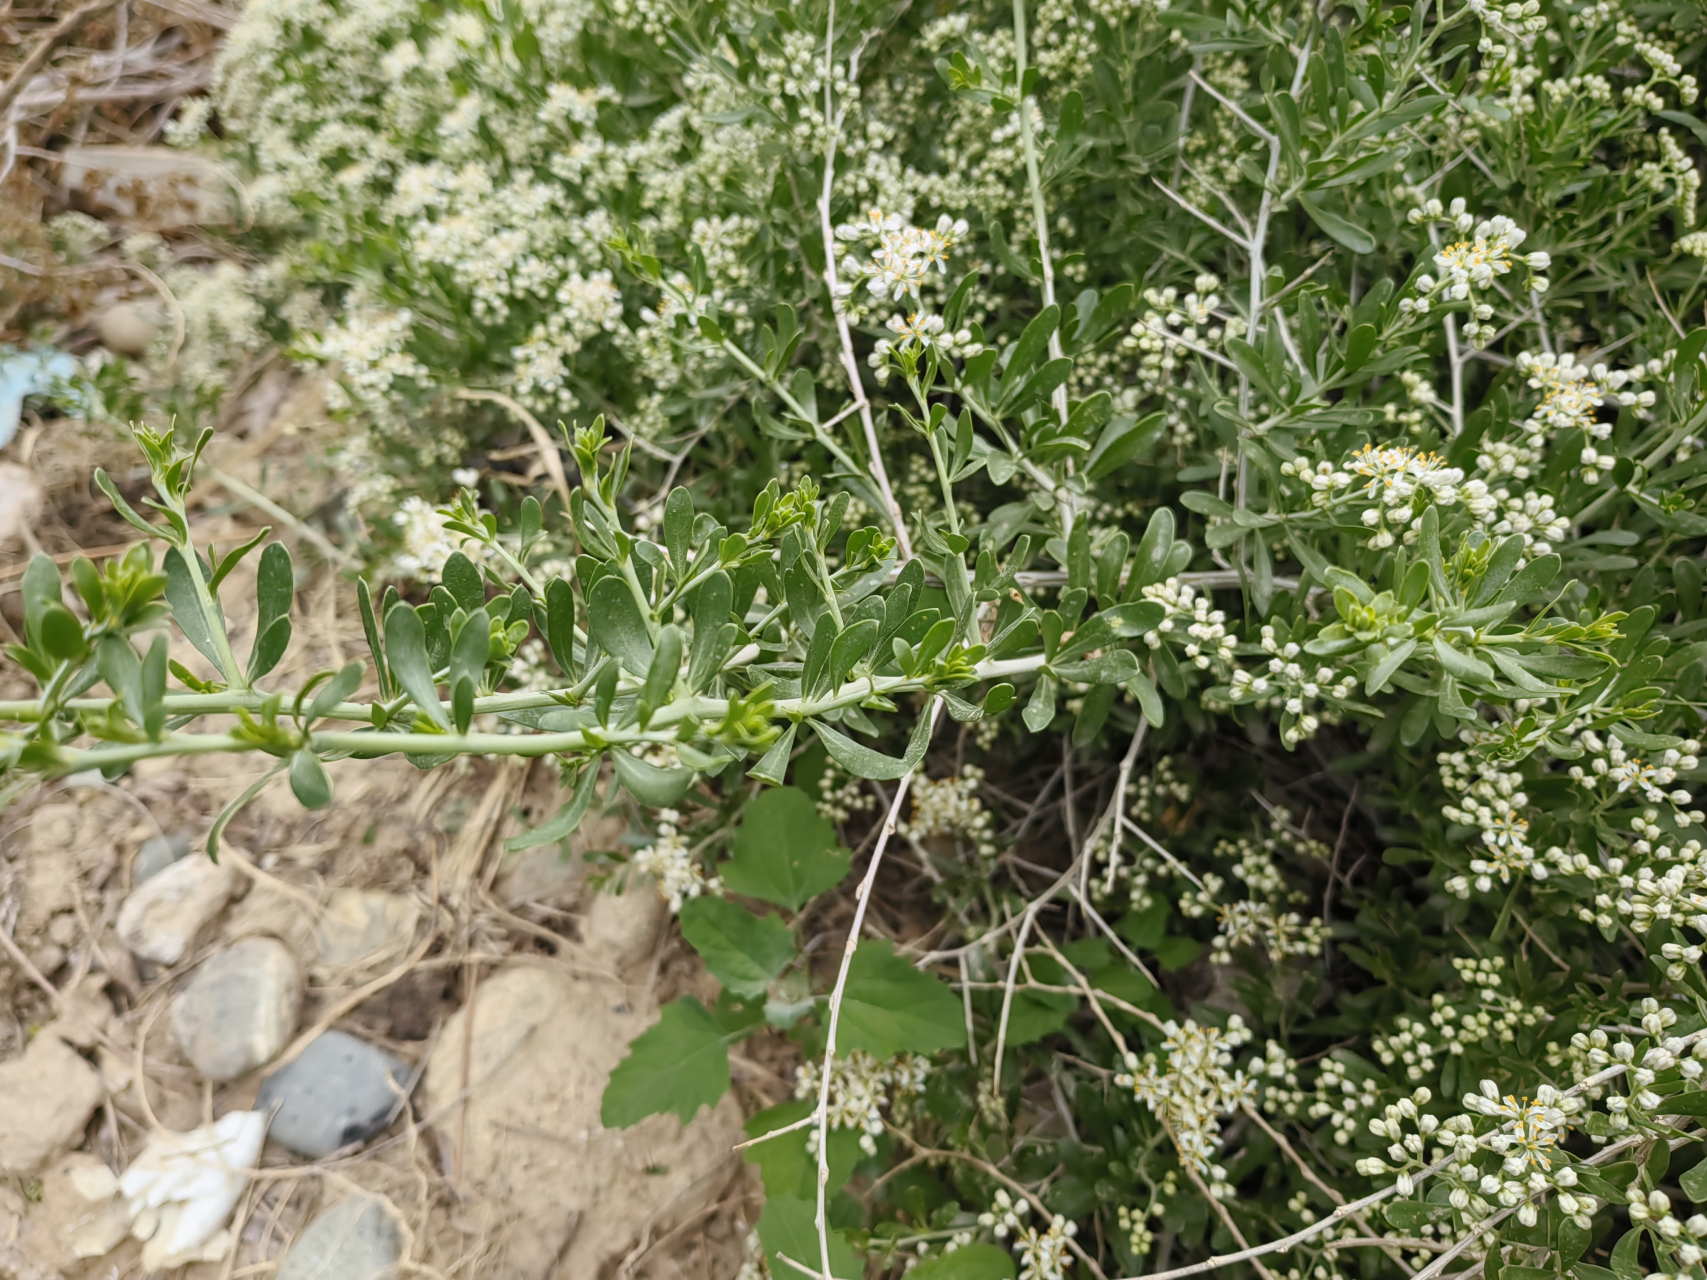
(1318, 588)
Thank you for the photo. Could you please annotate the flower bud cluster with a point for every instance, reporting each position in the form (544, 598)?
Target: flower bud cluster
(673, 865)
(950, 808)
(1192, 623)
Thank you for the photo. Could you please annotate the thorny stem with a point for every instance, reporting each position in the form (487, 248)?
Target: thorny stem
(862, 897)
(850, 364)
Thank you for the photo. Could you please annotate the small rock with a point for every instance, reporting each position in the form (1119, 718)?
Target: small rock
(160, 919)
(339, 1091)
(622, 928)
(125, 329)
(156, 854)
(359, 923)
(545, 876)
(239, 1009)
(356, 1239)
(46, 1099)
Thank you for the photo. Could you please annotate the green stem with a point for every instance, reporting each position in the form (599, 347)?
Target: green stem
(661, 729)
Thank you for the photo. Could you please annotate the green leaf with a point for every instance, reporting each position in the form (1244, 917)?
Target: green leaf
(744, 952)
(1383, 670)
(1109, 668)
(560, 623)
(406, 650)
(678, 1065)
(1143, 690)
(616, 624)
(785, 851)
(788, 1169)
(275, 585)
(1349, 234)
(61, 634)
(1625, 1263)
(463, 581)
(335, 690)
(678, 529)
(969, 1262)
(270, 646)
(370, 628)
(308, 779)
(712, 601)
(1460, 665)
(105, 484)
(1040, 710)
(889, 1007)
(661, 676)
(1694, 1183)
(231, 559)
(1408, 1215)
(1030, 345)
(184, 595)
(788, 1226)
(119, 666)
(649, 783)
(773, 765)
(561, 825)
(863, 762)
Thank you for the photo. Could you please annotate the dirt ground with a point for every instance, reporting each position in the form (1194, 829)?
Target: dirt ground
(508, 983)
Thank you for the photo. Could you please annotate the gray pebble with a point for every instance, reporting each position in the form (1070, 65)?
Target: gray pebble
(158, 853)
(240, 1009)
(338, 1091)
(356, 1239)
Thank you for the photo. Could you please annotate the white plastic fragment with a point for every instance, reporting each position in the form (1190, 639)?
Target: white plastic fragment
(181, 1190)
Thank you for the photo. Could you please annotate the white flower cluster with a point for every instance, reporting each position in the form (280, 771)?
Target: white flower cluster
(1613, 767)
(1524, 1136)
(1486, 1017)
(1135, 1223)
(427, 544)
(1261, 918)
(1293, 687)
(1394, 485)
(1343, 1092)
(366, 349)
(902, 256)
(1042, 1254)
(1192, 1091)
(1571, 392)
(1493, 802)
(950, 808)
(672, 864)
(841, 795)
(1192, 623)
(1173, 328)
(861, 1090)
(916, 330)
(1673, 175)
(1470, 266)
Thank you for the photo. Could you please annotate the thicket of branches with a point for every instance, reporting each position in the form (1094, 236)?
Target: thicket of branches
(1207, 496)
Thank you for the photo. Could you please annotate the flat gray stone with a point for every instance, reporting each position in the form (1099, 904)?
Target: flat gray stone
(157, 853)
(338, 1091)
(356, 1239)
(240, 1008)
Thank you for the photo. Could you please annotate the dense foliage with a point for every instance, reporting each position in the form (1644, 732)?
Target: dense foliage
(1272, 433)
